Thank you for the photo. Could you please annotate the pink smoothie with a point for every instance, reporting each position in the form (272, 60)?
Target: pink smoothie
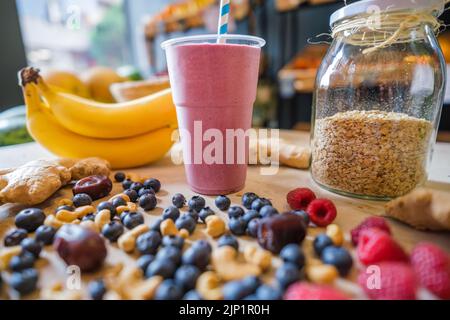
(215, 84)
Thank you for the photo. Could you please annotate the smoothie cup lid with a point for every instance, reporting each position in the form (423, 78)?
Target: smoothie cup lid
(212, 38)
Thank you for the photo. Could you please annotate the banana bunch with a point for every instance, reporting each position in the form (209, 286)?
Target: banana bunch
(127, 134)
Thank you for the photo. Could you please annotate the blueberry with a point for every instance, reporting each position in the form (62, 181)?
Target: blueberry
(133, 195)
(171, 213)
(222, 203)
(202, 245)
(169, 290)
(15, 237)
(321, 242)
(30, 219)
(126, 184)
(197, 203)
(148, 202)
(133, 219)
(156, 225)
(197, 257)
(112, 231)
(106, 205)
(24, 260)
(145, 191)
(292, 253)
(252, 227)
(304, 216)
(186, 277)
(237, 226)
(24, 282)
(235, 290)
(136, 186)
(123, 215)
(228, 240)
(170, 253)
(193, 214)
(192, 295)
(67, 208)
(154, 184)
(259, 203)
(174, 241)
(97, 289)
(161, 267)
(235, 212)
(81, 200)
(45, 234)
(266, 292)
(338, 257)
(205, 213)
(251, 283)
(248, 198)
(178, 200)
(250, 215)
(287, 274)
(251, 297)
(119, 176)
(32, 246)
(268, 211)
(119, 202)
(186, 222)
(89, 217)
(148, 243)
(144, 261)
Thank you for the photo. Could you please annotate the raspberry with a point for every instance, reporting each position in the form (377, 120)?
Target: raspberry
(322, 212)
(432, 267)
(300, 198)
(371, 222)
(306, 291)
(376, 246)
(396, 281)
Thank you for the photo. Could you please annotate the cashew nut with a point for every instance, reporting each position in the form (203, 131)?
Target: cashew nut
(120, 195)
(183, 233)
(227, 266)
(335, 233)
(209, 286)
(66, 215)
(6, 254)
(89, 224)
(127, 241)
(168, 228)
(215, 226)
(102, 218)
(57, 292)
(322, 274)
(259, 257)
(64, 202)
(84, 211)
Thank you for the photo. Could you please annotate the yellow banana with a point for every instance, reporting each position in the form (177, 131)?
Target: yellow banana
(121, 153)
(102, 120)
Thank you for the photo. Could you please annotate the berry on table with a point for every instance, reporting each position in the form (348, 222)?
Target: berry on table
(24, 260)
(148, 243)
(197, 255)
(136, 186)
(268, 211)
(156, 225)
(193, 214)
(228, 240)
(112, 231)
(145, 191)
(106, 205)
(222, 202)
(248, 198)
(205, 213)
(192, 295)
(32, 246)
(287, 274)
(196, 203)
(133, 195)
(371, 222)
(375, 246)
(173, 241)
(97, 289)
(169, 290)
(307, 291)
(45, 234)
(322, 212)
(144, 261)
(338, 257)
(89, 217)
(431, 265)
(239, 289)
(266, 292)
(259, 203)
(171, 212)
(186, 277)
(133, 219)
(15, 237)
(161, 267)
(252, 227)
(235, 212)
(202, 245)
(119, 176)
(152, 183)
(24, 282)
(119, 202)
(81, 200)
(67, 208)
(237, 226)
(321, 242)
(171, 253)
(293, 253)
(250, 215)
(148, 202)
(186, 222)
(396, 282)
(126, 184)
(300, 198)
(304, 216)
(30, 219)
(178, 200)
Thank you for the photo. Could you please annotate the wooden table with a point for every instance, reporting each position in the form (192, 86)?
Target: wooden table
(350, 211)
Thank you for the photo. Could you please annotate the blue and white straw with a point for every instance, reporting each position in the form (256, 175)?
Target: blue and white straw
(223, 19)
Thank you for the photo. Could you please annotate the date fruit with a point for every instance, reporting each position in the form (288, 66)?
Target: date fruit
(96, 187)
(81, 247)
(277, 231)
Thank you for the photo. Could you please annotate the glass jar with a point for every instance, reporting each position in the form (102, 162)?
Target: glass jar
(378, 99)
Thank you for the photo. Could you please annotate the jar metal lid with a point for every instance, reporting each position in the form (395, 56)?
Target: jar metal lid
(435, 7)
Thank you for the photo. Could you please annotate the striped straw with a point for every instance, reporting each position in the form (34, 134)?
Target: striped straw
(223, 20)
